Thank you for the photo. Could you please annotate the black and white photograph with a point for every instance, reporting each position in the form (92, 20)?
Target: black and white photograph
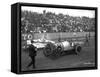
(57, 38)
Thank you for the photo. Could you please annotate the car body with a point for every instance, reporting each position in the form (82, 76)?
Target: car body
(50, 47)
(61, 47)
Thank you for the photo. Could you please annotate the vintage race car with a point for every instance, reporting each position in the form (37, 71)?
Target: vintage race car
(58, 49)
(51, 48)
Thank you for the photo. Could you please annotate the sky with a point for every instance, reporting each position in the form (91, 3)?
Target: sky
(71, 12)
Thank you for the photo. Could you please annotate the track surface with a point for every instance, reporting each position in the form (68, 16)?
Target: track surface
(85, 59)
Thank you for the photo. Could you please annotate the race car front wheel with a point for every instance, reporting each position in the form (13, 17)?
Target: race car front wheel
(49, 49)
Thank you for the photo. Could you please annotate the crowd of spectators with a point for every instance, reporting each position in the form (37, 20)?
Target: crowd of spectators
(51, 22)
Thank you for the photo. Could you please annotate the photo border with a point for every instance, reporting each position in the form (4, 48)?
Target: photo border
(57, 6)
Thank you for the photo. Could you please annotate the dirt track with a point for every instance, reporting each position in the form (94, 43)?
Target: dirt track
(85, 58)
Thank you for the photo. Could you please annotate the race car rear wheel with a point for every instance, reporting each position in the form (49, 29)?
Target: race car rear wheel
(78, 49)
(58, 51)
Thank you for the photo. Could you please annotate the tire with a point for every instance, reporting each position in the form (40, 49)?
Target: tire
(78, 49)
(47, 52)
(58, 51)
(49, 49)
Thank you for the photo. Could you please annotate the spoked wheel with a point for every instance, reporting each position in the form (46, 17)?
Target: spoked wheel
(58, 51)
(49, 49)
(47, 52)
(78, 49)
